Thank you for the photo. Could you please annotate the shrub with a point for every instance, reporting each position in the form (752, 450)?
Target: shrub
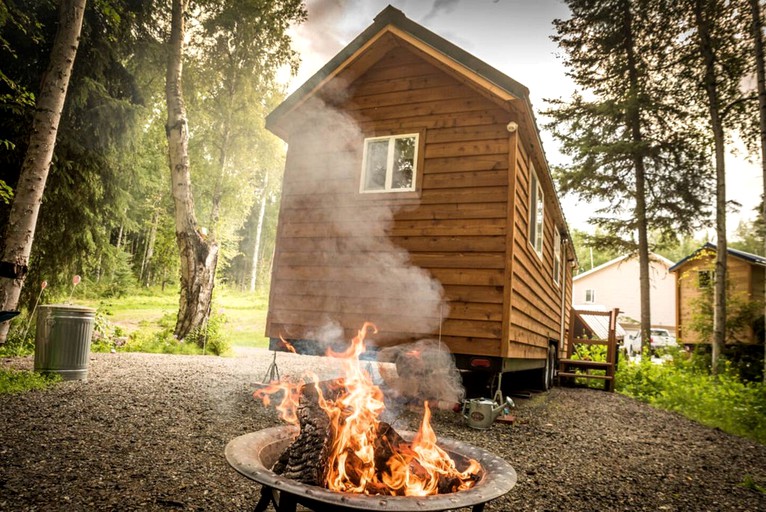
(18, 343)
(211, 338)
(106, 336)
(684, 385)
(19, 381)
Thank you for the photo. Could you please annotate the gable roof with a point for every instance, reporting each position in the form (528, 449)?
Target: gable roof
(392, 23)
(652, 257)
(746, 256)
(392, 20)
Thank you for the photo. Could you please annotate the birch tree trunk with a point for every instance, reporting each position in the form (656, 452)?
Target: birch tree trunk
(707, 51)
(149, 252)
(258, 235)
(22, 221)
(760, 68)
(199, 256)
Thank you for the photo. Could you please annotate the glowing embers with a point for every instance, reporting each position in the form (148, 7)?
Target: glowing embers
(344, 446)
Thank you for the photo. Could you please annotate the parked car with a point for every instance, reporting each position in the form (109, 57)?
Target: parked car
(661, 338)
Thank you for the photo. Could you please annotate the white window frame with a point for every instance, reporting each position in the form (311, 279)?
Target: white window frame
(390, 164)
(592, 293)
(557, 256)
(536, 212)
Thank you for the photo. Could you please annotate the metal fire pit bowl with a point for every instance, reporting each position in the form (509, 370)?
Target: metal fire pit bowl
(254, 454)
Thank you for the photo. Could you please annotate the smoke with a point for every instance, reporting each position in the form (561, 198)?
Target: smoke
(425, 370)
(339, 238)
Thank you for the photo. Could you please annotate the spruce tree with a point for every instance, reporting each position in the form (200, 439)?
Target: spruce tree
(634, 153)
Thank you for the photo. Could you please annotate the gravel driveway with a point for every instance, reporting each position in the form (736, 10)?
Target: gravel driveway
(147, 432)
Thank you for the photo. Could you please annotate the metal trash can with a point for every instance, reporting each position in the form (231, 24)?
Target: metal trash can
(62, 340)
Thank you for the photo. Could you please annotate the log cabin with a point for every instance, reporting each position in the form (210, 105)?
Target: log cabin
(416, 195)
(695, 280)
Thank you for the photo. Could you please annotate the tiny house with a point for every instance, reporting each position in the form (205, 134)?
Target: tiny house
(417, 196)
(695, 280)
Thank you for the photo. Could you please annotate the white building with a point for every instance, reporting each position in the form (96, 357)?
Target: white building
(615, 284)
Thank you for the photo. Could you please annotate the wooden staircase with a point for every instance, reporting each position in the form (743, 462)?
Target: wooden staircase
(589, 328)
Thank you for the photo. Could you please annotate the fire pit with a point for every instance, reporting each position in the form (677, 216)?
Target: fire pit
(254, 454)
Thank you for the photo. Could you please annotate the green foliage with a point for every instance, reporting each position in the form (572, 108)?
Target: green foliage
(748, 237)
(588, 352)
(161, 342)
(590, 253)
(19, 344)
(210, 338)
(681, 384)
(19, 381)
(633, 153)
(106, 336)
(750, 483)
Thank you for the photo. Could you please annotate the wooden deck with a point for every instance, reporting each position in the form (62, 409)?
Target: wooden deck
(571, 367)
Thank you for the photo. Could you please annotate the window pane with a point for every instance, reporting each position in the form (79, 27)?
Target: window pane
(539, 219)
(375, 173)
(532, 209)
(404, 162)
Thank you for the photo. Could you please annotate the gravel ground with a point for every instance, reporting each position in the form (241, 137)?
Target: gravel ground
(147, 432)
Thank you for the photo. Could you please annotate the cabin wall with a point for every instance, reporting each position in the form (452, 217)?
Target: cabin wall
(333, 266)
(536, 300)
(743, 280)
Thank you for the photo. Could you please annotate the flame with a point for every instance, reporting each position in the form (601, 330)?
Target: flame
(287, 345)
(354, 463)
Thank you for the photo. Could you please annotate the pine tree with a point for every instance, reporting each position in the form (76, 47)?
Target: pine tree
(632, 149)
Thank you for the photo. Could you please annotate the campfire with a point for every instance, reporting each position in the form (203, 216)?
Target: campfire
(344, 446)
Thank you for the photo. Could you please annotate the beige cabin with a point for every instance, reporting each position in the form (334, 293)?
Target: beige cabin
(417, 196)
(695, 277)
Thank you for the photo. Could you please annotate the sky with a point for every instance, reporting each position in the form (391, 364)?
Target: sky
(513, 36)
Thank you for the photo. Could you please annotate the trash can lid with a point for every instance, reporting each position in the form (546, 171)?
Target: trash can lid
(69, 307)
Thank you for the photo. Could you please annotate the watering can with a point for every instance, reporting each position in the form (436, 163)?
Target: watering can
(480, 413)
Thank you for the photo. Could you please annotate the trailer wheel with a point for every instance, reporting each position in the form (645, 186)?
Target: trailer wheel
(546, 381)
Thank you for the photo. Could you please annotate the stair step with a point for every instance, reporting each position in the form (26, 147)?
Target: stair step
(584, 364)
(585, 376)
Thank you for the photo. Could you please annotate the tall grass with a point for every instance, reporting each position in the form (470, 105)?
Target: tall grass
(684, 384)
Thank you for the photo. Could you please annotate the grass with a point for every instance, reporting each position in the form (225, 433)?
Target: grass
(20, 381)
(148, 312)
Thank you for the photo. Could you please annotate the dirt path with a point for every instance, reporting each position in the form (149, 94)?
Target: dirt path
(147, 432)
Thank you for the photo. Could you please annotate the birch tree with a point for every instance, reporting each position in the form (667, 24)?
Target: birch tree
(20, 230)
(714, 61)
(199, 255)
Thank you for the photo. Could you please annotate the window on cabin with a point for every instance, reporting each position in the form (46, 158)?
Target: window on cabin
(536, 212)
(590, 296)
(389, 163)
(556, 256)
(705, 278)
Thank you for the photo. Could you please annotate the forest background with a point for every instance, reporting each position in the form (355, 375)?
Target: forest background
(108, 213)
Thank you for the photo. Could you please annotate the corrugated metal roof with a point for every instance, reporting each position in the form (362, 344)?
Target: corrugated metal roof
(752, 258)
(598, 324)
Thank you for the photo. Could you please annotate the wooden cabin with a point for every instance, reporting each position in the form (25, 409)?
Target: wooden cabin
(695, 279)
(405, 149)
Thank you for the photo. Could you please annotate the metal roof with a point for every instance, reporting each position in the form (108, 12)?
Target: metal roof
(751, 258)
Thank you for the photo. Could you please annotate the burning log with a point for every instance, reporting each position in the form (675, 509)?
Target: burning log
(345, 447)
(305, 459)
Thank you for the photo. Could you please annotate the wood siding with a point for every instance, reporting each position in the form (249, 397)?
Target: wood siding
(744, 278)
(335, 246)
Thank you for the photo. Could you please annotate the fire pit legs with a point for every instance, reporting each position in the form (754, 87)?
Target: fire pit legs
(288, 502)
(282, 501)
